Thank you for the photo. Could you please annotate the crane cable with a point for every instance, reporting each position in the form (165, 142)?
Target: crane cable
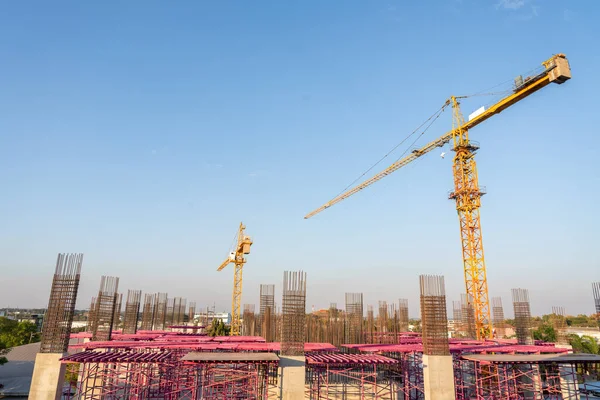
(233, 243)
(434, 116)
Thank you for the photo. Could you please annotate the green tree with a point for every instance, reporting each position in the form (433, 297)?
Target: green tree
(416, 323)
(545, 332)
(13, 333)
(218, 328)
(72, 374)
(3, 351)
(584, 344)
(582, 320)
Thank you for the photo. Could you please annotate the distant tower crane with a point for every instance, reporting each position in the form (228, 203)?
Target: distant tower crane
(237, 258)
(467, 192)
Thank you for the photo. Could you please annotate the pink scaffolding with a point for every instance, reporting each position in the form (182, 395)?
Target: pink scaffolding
(169, 365)
(528, 376)
(360, 376)
(234, 375)
(170, 374)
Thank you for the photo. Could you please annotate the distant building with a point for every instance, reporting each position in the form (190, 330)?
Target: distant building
(223, 316)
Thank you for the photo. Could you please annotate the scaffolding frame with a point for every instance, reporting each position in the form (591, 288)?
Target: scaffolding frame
(548, 380)
(165, 374)
(236, 380)
(360, 381)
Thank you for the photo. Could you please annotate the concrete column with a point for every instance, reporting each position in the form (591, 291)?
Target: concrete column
(48, 377)
(293, 376)
(438, 377)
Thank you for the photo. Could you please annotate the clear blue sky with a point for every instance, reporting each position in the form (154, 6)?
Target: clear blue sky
(141, 134)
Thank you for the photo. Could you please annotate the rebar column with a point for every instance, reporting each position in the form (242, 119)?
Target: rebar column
(248, 320)
(596, 291)
(294, 313)
(169, 313)
(191, 313)
(178, 310)
(434, 320)
(117, 317)
(382, 318)
(370, 335)
(457, 316)
(438, 371)
(91, 316)
(498, 317)
(266, 312)
(182, 307)
(132, 311)
(468, 315)
(403, 315)
(393, 323)
(522, 310)
(48, 372)
(148, 312)
(335, 326)
(105, 308)
(161, 312)
(560, 325)
(56, 328)
(354, 318)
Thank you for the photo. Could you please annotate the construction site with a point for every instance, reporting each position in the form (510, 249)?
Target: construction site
(139, 345)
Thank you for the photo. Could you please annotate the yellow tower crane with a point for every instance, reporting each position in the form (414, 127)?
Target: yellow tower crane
(237, 258)
(467, 192)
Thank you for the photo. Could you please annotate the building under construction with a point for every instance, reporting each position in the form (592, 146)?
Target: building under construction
(391, 363)
(334, 354)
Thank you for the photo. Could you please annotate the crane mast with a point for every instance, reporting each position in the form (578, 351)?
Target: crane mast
(467, 195)
(467, 192)
(237, 258)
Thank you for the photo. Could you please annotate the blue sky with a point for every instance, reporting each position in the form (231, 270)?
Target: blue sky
(141, 134)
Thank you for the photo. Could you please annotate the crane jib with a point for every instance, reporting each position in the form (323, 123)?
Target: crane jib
(556, 70)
